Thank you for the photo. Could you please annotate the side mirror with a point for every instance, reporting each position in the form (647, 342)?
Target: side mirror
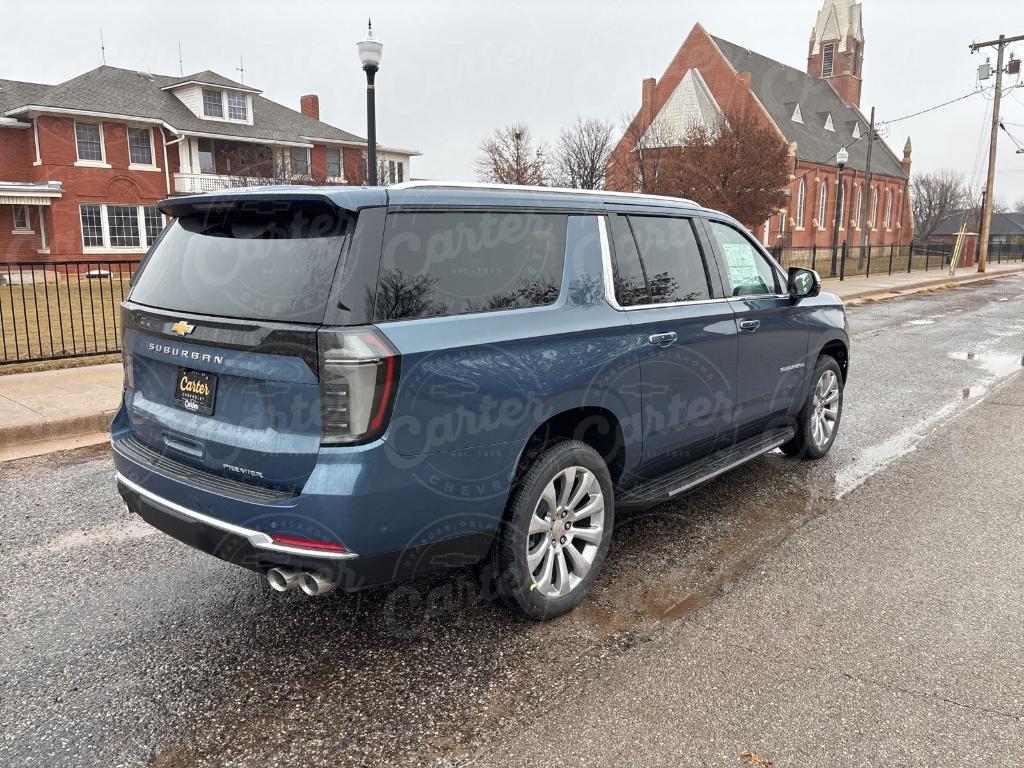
(803, 284)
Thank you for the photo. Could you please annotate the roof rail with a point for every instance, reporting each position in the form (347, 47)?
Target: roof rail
(526, 188)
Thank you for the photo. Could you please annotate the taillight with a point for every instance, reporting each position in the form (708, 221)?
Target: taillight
(301, 543)
(358, 379)
(129, 373)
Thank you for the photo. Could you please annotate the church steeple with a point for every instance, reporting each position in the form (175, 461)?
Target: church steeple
(836, 51)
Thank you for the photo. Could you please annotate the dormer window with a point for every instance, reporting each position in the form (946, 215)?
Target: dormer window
(213, 103)
(828, 60)
(797, 115)
(828, 124)
(238, 106)
(856, 130)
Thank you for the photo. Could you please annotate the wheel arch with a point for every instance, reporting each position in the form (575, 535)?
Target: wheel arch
(839, 350)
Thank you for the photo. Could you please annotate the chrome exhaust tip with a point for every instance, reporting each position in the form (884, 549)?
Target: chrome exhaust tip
(283, 579)
(315, 584)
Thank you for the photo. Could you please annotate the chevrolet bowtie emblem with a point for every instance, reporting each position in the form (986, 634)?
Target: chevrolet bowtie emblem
(182, 328)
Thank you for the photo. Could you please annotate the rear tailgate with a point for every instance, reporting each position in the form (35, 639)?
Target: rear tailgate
(220, 337)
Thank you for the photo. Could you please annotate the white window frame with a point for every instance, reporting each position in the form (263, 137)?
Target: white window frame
(822, 205)
(873, 220)
(309, 167)
(767, 231)
(102, 162)
(152, 166)
(841, 191)
(801, 202)
(860, 203)
(140, 212)
(203, 90)
(227, 105)
(341, 164)
(887, 221)
(25, 229)
(225, 110)
(782, 223)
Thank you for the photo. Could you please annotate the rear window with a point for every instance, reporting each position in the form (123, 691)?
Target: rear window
(672, 259)
(268, 266)
(451, 263)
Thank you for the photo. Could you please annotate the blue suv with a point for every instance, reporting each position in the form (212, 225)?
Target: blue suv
(342, 387)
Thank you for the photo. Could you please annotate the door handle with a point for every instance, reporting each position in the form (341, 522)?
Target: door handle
(749, 326)
(663, 339)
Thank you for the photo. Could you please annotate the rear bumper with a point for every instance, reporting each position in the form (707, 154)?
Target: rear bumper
(256, 551)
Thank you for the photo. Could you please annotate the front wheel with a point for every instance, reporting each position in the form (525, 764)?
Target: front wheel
(818, 421)
(558, 532)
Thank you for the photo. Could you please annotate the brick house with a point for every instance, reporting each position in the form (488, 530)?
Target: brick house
(83, 163)
(816, 112)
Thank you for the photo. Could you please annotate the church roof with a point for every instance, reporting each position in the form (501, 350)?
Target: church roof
(778, 87)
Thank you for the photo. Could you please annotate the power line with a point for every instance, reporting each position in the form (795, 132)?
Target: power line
(931, 109)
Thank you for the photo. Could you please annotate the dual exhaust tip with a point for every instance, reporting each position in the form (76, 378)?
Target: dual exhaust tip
(313, 584)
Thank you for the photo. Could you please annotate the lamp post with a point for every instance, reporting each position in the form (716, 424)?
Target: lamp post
(842, 158)
(370, 51)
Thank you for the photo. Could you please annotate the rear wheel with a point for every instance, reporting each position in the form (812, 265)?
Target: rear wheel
(558, 533)
(818, 421)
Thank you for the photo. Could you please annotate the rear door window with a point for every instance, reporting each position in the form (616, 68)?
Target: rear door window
(451, 263)
(276, 266)
(672, 259)
(627, 272)
(747, 272)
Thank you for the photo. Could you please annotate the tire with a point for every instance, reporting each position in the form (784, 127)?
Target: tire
(813, 440)
(565, 480)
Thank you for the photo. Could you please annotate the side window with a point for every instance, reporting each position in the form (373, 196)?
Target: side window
(450, 263)
(627, 273)
(748, 272)
(671, 259)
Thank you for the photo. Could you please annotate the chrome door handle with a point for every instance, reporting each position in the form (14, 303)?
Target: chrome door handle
(749, 326)
(663, 339)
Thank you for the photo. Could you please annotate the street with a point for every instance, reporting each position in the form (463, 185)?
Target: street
(867, 609)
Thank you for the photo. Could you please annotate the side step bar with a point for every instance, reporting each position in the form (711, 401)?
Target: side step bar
(664, 487)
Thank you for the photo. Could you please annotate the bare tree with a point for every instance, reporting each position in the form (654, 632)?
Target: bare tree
(738, 165)
(508, 156)
(1019, 207)
(934, 198)
(581, 157)
(646, 158)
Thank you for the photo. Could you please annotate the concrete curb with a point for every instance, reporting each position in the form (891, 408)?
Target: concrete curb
(56, 429)
(930, 285)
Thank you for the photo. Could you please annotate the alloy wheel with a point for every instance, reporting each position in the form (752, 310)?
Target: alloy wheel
(565, 532)
(826, 409)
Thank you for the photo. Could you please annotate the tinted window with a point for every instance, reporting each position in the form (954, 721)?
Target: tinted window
(627, 273)
(266, 267)
(748, 273)
(450, 263)
(671, 258)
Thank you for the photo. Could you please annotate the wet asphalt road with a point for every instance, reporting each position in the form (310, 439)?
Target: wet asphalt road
(122, 647)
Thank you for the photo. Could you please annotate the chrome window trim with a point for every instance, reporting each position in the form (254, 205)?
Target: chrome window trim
(258, 539)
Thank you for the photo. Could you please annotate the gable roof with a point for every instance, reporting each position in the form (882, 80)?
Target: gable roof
(1003, 224)
(124, 92)
(777, 85)
(207, 77)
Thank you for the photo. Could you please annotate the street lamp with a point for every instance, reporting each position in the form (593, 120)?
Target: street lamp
(370, 52)
(842, 158)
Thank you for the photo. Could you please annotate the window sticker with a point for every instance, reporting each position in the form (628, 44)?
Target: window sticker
(742, 265)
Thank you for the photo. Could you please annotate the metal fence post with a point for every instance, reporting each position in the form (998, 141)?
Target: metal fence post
(814, 256)
(910, 256)
(890, 262)
(842, 264)
(867, 269)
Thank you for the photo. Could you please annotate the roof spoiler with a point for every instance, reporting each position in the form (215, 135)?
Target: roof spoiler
(268, 201)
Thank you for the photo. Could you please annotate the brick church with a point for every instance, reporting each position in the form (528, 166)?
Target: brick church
(816, 112)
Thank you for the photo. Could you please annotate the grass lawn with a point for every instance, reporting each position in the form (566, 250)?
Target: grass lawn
(68, 317)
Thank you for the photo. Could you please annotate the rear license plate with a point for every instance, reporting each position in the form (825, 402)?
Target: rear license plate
(195, 391)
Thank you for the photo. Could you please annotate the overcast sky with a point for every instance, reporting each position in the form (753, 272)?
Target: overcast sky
(455, 69)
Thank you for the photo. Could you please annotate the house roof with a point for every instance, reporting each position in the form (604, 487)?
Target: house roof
(778, 87)
(1003, 224)
(125, 92)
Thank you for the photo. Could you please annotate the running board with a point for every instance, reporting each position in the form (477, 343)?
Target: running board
(664, 487)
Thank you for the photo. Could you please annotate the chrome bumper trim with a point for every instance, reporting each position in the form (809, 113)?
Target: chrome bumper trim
(258, 539)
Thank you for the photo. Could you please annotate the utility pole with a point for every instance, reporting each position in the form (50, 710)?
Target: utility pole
(865, 199)
(986, 210)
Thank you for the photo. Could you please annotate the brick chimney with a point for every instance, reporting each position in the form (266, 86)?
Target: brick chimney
(647, 99)
(310, 106)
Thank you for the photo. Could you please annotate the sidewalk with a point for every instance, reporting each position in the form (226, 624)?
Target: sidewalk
(62, 409)
(57, 410)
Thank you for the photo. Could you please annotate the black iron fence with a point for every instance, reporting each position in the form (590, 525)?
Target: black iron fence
(51, 310)
(864, 261)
